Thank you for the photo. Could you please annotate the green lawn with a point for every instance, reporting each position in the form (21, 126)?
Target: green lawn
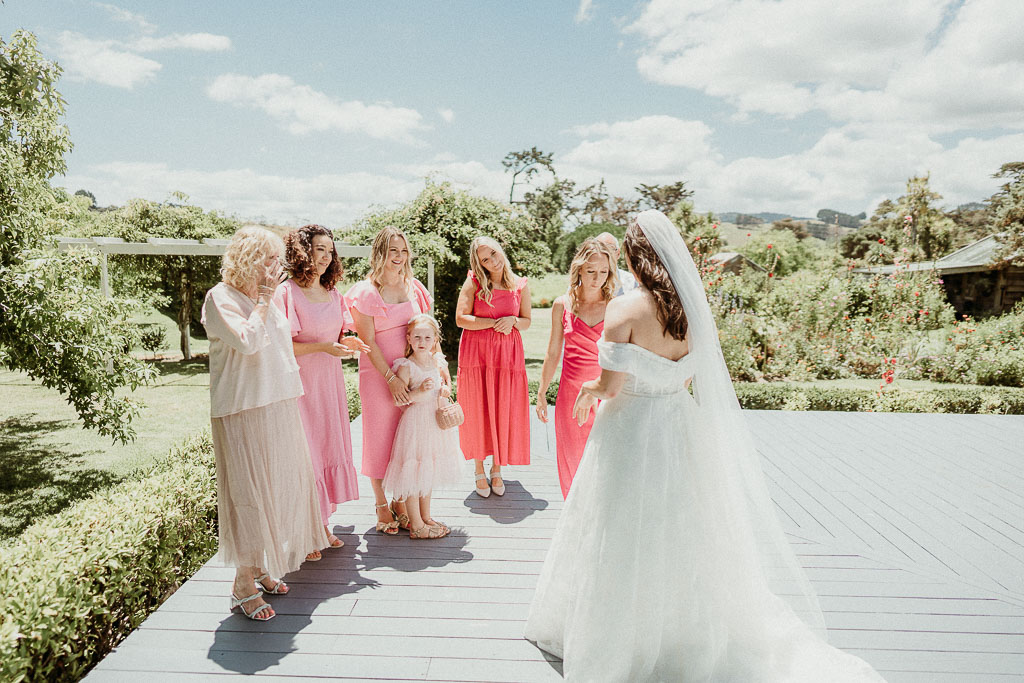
(48, 460)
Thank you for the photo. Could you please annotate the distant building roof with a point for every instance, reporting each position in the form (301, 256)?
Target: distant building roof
(975, 256)
(734, 258)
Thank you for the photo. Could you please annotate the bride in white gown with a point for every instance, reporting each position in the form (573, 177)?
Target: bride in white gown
(668, 562)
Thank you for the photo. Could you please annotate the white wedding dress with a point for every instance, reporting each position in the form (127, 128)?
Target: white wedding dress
(668, 562)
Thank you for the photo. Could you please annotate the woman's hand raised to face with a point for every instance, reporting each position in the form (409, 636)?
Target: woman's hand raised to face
(272, 274)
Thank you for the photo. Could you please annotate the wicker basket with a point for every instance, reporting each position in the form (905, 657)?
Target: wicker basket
(449, 414)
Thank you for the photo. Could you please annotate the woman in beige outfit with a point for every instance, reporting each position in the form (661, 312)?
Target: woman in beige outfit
(267, 508)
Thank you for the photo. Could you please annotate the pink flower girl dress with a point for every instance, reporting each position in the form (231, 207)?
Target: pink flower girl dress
(424, 456)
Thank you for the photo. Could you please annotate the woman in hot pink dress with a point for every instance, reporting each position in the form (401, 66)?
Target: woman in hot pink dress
(318, 316)
(494, 306)
(577, 320)
(382, 306)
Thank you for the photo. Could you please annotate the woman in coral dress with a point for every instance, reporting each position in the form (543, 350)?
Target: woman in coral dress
(318, 316)
(382, 306)
(493, 308)
(577, 320)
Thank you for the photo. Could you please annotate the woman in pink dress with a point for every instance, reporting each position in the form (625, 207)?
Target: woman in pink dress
(382, 306)
(318, 317)
(493, 308)
(577, 320)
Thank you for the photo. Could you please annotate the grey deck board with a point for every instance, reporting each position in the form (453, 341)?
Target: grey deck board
(910, 527)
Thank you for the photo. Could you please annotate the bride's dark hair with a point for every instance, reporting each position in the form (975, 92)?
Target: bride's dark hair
(653, 276)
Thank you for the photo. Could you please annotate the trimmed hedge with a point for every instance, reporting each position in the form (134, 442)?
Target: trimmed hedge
(75, 584)
(784, 396)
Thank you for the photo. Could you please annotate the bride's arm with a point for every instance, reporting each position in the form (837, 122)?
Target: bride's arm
(617, 328)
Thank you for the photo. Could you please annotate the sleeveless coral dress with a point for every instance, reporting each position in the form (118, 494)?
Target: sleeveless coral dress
(380, 414)
(579, 365)
(491, 385)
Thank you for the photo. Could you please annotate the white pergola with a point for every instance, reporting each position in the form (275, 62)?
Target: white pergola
(158, 246)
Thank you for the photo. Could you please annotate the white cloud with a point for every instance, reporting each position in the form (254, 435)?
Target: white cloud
(849, 168)
(331, 199)
(474, 176)
(301, 109)
(103, 61)
(584, 12)
(938, 64)
(447, 114)
(201, 42)
(123, 15)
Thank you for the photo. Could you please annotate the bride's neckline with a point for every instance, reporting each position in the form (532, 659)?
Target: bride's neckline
(652, 353)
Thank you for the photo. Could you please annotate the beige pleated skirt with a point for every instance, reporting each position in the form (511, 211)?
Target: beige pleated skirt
(267, 507)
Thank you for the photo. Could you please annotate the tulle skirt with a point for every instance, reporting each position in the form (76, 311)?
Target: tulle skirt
(267, 506)
(424, 456)
(646, 578)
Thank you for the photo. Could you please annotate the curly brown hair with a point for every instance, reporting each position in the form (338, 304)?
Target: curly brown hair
(652, 275)
(299, 257)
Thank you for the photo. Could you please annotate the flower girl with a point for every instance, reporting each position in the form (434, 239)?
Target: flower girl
(424, 456)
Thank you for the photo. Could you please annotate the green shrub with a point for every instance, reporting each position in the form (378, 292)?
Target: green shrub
(785, 396)
(75, 584)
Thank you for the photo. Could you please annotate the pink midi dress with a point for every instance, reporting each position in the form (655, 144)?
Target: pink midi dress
(424, 457)
(324, 403)
(491, 385)
(579, 365)
(380, 414)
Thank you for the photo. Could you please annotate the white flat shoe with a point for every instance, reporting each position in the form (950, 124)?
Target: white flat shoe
(483, 493)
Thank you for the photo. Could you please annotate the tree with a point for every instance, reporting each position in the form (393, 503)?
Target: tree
(798, 228)
(663, 197)
(526, 163)
(839, 218)
(177, 282)
(88, 195)
(913, 223)
(1008, 211)
(54, 323)
(550, 207)
(441, 222)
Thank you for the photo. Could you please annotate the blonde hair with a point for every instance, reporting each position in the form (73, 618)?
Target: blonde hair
(242, 264)
(422, 319)
(483, 277)
(379, 255)
(587, 249)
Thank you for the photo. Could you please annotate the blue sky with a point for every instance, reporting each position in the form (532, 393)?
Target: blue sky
(320, 111)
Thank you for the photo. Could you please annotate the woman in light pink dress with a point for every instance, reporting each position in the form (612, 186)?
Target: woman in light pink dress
(577, 320)
(318, 317)
(382, 306)
(493, 308)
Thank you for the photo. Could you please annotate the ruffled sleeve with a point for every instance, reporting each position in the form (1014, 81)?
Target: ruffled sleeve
(284, 299)
(348, 323)
(399, 362)
(224, 320)
(520, 283)
(365, 298)
(423, 298)
(615, 356)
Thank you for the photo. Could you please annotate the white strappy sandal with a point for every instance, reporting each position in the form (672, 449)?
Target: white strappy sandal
(280, 587)
(238, 602)
(483, 493)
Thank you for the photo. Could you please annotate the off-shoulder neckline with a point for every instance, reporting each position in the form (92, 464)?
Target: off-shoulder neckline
(649, 352)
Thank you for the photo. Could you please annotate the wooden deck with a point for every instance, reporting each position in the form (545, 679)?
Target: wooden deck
(911, 528)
